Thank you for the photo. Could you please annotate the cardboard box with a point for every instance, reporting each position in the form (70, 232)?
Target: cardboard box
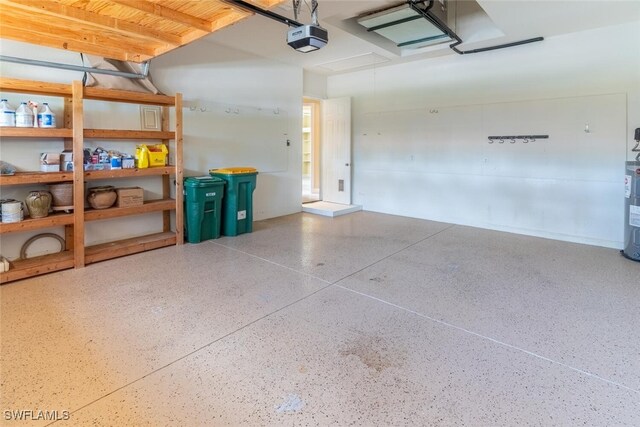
(128, 163)
(129, 197)
(50, 162)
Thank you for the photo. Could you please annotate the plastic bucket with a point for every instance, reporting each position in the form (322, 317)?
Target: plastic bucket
(12, 211)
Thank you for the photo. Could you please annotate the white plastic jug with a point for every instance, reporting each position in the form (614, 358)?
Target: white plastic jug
(24, 116)
(7, 114)
(46, 118)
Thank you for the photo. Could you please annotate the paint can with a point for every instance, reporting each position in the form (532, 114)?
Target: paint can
(11, 211)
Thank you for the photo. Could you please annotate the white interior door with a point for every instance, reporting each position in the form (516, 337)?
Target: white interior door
(336, 150)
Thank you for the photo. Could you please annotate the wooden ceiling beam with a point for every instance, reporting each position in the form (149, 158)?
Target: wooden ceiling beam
(224, 19)
(60, 11)
(28, 36)
(48, 32)
(167, 13)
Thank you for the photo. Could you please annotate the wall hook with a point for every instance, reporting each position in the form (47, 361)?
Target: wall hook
(586, 128)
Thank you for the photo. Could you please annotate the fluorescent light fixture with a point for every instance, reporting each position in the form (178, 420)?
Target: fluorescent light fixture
(405, 27)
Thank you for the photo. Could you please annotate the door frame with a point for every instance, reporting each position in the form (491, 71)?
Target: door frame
(341, 156)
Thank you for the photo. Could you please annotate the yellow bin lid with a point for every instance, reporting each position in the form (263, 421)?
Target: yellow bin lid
(234, 171)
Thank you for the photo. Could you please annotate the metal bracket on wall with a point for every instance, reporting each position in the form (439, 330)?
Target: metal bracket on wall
(512, 138)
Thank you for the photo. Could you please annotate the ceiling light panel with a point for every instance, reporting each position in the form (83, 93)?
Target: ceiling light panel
(404, 26)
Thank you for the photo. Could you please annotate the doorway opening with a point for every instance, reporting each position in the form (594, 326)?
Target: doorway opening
(310, 150)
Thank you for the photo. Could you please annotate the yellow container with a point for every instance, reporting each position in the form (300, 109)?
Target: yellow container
(234, 171)
(142, 157)
(151, 155)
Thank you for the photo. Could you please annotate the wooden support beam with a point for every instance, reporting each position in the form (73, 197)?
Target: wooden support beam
(28, 36)
(80, 16)
(166, 13)
(68, 145)
(35, 28)
(78, 173)
(179, 172)
(33, 87)
(222, 19)
(166, 179)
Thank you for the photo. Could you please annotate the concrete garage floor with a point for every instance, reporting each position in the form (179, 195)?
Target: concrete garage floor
(364, 319)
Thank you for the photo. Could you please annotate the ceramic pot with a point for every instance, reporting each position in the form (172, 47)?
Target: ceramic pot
(102, 197)
(38, 203)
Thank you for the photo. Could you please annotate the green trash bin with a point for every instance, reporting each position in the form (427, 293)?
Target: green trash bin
(202, 208)
(237, 212)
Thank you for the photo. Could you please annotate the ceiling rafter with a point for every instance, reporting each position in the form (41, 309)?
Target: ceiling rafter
(127, 30)
(57, 10)
(50, 31)
(167, 13)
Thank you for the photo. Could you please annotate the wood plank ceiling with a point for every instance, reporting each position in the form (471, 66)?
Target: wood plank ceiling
(128, 30)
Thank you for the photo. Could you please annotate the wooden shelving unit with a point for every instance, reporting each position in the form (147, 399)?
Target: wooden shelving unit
(147, 207)
(28, 224)
(131, 246)
(25, 178)
(36, 132)
(21, 269)
(76, 254)
(128, 173)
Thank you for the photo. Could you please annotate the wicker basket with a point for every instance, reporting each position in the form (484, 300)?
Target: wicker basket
(62, 195)
(102, 197)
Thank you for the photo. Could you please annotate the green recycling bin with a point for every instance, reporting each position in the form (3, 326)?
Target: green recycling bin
(202, 208)
(237, 212)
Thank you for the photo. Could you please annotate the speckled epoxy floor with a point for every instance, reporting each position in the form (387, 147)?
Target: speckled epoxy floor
(365, 319)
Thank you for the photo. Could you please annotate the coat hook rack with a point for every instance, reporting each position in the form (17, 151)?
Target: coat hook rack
(512, 138)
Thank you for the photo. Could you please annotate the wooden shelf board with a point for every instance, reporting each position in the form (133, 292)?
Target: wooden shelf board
(125, 247)
(127, 134)
(6, 132)
(127, 96)
(34, 87)
(28, 224)
(147, 207)
(129, 173)
(24, 178)
(21, 269)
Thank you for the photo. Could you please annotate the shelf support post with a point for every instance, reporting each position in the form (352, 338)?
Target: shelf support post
(166, 179)
(78, 173)
(179, 172)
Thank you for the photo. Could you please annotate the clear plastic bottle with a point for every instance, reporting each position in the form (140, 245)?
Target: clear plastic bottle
(46, 118)
(24, 116)
(7, 114)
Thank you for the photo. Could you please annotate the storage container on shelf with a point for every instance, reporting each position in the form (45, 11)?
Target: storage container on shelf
(7, 114)
(46, 118)
(24, 116)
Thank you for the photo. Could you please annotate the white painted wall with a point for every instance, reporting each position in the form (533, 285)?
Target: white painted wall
(218, 78)
(408, 161)
(314, 85)
(209, 76)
